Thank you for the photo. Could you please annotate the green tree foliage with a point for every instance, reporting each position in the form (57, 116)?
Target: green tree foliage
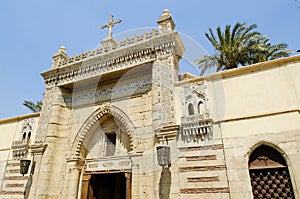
(34, 107)
(239, 46)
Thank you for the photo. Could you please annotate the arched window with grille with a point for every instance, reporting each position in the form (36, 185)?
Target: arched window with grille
(269, 174)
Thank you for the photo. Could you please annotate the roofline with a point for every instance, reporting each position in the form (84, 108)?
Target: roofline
(244, 69)
(18, 118)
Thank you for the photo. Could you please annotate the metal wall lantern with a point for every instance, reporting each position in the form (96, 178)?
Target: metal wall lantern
(24, 166)
(163, 156)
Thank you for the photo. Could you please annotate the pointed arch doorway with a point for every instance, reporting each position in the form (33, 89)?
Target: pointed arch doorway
(105, 148)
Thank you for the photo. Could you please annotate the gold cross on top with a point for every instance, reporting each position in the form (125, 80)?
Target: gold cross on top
(110, 24)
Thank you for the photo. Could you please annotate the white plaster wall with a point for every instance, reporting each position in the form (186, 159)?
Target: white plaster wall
(258, 107)
(260, 92)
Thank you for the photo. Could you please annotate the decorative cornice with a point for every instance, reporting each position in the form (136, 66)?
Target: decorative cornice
(100, 62)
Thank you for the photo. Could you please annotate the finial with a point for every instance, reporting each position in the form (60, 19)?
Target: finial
(165, 22)
(62, 49)
(166, 12)
(59, 57)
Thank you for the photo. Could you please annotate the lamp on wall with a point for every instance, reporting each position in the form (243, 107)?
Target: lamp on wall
(24, 166)
(163, 156)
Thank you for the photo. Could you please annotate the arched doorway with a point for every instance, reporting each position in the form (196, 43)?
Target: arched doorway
(105, 147)
(269, 174)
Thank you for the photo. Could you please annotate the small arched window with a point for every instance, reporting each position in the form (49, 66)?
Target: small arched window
(191, 109)
(201, 107)
(24, 136)
(269, 174)
(29, 135)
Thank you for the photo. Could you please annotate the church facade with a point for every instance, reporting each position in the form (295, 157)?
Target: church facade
(122, 122)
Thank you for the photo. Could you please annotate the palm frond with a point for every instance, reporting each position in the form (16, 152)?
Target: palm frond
(242, 45)
(34, 107)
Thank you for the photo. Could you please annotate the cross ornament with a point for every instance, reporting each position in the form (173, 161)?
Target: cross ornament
(110, 24)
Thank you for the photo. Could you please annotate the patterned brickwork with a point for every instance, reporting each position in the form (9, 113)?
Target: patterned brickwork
(13, 185)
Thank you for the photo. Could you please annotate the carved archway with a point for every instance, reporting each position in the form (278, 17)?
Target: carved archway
(100, 113)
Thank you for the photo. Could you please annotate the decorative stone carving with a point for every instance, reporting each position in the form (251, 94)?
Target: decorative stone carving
(97, 62)
(165, 85)
(196, 123)
(44, 117)
(200, 89)
(20, 149)
(21, 145)
(120, 164)
(124, 90)
(104, 49)
(126, 126)
(165, 74)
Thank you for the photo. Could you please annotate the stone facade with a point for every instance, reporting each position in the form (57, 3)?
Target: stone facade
(106, 111)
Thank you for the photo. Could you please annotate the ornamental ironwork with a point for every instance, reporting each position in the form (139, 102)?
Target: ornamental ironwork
(269, 174)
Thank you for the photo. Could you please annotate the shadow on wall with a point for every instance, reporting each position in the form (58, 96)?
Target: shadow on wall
(165, 184)
(29, 182)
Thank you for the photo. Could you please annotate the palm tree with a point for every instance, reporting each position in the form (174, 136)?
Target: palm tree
(239, 46)
(34, 107)
(267, 51)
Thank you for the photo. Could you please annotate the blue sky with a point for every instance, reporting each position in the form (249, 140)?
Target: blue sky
(32, 31)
